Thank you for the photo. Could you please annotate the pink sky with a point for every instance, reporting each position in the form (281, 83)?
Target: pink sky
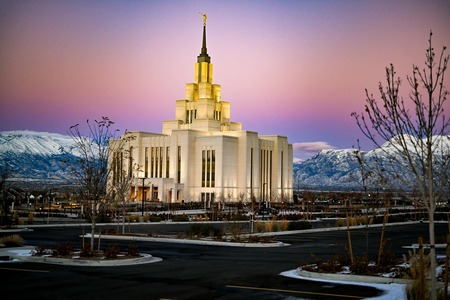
(293, 68)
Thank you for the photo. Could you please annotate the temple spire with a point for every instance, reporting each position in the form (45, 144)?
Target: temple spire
(204, 57)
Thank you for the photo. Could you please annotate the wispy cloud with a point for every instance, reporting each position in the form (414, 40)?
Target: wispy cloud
(305, 150)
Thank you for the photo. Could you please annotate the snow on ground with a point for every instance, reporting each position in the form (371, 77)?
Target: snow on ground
(21, 252)
(391, 291)
(15, 252)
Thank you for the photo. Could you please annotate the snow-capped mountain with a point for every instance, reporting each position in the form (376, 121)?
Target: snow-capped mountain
(36, 157)
(341, 170)
(329, 169)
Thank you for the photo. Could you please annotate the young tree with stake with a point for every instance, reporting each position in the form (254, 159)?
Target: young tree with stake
(415, 128)
(90, 168)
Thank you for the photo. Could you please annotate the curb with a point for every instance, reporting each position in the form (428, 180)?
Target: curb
(352, 278)
(26, 257)
(184, 241)
(144, 259)
(15, 230)
(341, 228)
(358, 278)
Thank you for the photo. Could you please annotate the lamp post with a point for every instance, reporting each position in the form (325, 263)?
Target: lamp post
(143, 198)
(264, 194)
(49, 199)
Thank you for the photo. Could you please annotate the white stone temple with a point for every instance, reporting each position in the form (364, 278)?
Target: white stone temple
(202, 156)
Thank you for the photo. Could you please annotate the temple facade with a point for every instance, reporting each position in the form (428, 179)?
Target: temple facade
(201, 155)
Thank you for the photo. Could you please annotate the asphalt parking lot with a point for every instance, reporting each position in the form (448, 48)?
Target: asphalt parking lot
(200, 272)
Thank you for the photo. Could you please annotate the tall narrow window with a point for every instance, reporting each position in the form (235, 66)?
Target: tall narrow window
(190, 115)
(179, 165)
(152, 162)
(208, 168)
(282, 175)
(146, 163)
(207, 199)
(261, 168)
(156, 162)
(269, 176)
(251, 174)
(213, 168)
(160, 161)
(167, 161)
(204, 168)
(266, 174)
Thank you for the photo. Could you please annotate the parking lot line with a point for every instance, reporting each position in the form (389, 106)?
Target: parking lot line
(25, 270)
(294, 291)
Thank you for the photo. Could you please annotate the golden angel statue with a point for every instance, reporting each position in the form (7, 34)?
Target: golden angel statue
(204, 18)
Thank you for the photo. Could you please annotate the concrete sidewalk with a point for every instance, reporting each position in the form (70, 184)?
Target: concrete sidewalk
(203, 241)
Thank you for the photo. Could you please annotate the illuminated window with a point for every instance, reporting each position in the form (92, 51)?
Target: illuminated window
(208, 168)
(190, 115)
(160, 162)
(179, 164)
(146, 163)
(167, 161)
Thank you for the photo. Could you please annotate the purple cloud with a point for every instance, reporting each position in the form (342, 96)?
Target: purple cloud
(305, 150)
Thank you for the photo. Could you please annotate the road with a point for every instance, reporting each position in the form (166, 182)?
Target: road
(199, 272)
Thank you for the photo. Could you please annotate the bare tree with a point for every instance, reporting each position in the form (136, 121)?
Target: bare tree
(119, 183)
(414, 130)
(221, 203)
(90, 168)
(5, 174)
(229, 195)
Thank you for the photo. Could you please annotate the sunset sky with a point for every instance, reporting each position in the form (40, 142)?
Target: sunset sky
(292, 68)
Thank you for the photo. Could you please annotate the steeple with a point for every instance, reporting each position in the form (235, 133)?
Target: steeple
(204, 57)
(202, 109)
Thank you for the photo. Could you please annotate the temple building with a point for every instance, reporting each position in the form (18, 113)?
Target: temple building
(202, 156)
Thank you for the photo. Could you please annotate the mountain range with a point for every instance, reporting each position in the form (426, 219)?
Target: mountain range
(342, 170)
(36, 159)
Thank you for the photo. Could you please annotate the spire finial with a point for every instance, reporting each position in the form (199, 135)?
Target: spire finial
(204, 57)
(204, 18)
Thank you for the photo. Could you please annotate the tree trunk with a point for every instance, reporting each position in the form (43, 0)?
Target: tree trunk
(421, 293)
(99, 238)
(380, 249)
(94, 216)
(349, 238)
(123, 218)
(447, 257)
(433, 282)
(82, 241)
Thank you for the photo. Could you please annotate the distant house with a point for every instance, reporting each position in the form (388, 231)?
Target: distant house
(202, 156)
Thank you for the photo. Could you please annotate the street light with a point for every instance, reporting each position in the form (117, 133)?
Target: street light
(49, 199)
(143, 199)
(264, 194)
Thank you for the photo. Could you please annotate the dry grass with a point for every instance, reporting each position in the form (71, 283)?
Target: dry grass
(12, 241)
